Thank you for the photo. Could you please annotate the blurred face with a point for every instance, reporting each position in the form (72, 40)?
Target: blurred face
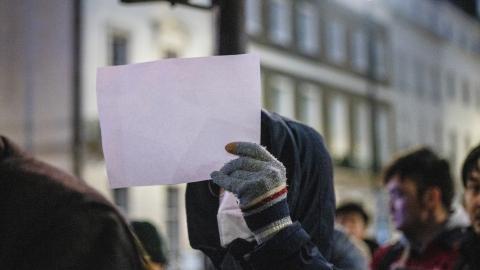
(472, 197)
(405, 206)
(353, 224)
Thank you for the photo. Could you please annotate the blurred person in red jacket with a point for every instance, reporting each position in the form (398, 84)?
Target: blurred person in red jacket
(421, 191)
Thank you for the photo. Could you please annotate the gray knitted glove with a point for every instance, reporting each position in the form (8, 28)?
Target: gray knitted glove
(259, 182)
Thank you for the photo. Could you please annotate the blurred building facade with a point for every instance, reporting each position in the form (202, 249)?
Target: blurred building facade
(436, 52)
(316, 69)
(117, 34)
(373, 77)
(36, 74)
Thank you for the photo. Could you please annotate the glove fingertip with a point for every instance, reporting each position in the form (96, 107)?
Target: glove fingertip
(231, 147)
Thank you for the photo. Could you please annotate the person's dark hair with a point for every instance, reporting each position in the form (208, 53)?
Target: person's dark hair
(427, 170)
(470, 163)
(151, 241)
(352, 208)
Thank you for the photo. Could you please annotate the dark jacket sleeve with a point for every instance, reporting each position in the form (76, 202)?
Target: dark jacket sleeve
(90, 238)
(290, 249)
(345, 254)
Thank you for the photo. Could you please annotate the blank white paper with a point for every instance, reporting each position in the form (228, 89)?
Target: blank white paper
(168, 121)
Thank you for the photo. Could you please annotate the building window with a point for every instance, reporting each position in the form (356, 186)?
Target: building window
(477, 2)
(383, 136)
(118, 49)
(307, 27)
(380, 59)
(310, 106)
(173, 224)
(466, 92)
(410, 70)
(170, 54)
(359, 50)
(282, 96)
(339, 128)
(468, 143)
(436, 85)
(120, 198)
(478, 98)
(254, 16)
(463, 40)
(400, 71)
(362, 142)
(422, 135)
(453, 149)
(280, 22)
(405, 136)
(419, 78)
(438, 136)
(450, 85)
(336, 41)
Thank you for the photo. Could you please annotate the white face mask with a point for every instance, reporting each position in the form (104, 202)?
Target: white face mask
(231, 224)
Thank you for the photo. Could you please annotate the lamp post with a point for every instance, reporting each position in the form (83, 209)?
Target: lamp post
(77, 121)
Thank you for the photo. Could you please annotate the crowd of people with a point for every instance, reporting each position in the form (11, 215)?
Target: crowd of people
(273, 207)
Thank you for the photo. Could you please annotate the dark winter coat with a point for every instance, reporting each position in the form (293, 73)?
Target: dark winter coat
(469, 252)
(51, 220)
(306, 244)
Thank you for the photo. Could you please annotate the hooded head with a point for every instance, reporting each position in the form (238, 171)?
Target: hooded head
(310, 196)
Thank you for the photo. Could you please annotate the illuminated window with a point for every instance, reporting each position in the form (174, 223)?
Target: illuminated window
(282, 96)
(339, 127)
(362, 139)
(310, 106)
